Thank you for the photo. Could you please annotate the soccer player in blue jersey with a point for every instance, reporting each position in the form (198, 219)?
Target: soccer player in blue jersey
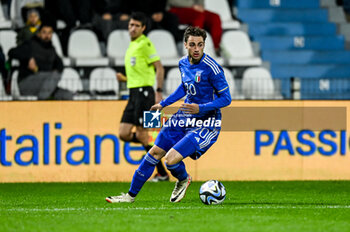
(195, 127)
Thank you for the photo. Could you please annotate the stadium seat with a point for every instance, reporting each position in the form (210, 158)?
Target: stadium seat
(7, 40)
(232, 84)
(57, 44)
(117, 44)
(15, 92)
(310, 71)
(172, 81)
(286, 15)
(257, 83)
(321, 43)
(61, 24)
(15, 13)
(222, 8)
(165, 45)
(230, 80)
(300, 39)
(331, 88)
(4, 23)
(84, 49)
(209, 49)
(292, 29)
(266, 4)
(306, 57)
(71, 81)
(3, 94)
(104, 84)
(238, 49)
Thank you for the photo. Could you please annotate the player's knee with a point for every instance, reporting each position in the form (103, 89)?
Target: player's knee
(173, 157)
(157, 152)
(170, 160)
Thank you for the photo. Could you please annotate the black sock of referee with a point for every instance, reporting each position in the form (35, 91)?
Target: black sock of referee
(147, 148)
(134, 138)
(161, 169)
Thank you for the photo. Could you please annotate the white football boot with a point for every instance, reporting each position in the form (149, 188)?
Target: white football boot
(124, 197)
(180, 189)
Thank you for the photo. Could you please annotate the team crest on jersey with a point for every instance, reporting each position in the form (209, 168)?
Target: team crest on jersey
(197, 77)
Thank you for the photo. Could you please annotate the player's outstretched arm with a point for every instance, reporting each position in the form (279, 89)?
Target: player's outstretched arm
(179, 93)
(224, 99)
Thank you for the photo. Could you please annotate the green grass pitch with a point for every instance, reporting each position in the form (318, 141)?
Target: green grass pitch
(249, 206)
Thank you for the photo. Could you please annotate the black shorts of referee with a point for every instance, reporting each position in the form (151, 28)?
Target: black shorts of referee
(141, 99)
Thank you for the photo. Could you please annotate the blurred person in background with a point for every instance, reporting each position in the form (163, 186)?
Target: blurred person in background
(40, 67)
(192, 12)
(18, 10)
(158, 17)
(75, 14)
(33, 22)
(114, 17)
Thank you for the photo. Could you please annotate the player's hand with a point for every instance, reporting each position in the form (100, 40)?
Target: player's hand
(156, 107)
(121, 77)
(159, 97)
(190, 108)
(32, 65)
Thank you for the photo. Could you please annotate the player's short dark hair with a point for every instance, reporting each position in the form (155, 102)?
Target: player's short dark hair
(194, 31)
(139, 16)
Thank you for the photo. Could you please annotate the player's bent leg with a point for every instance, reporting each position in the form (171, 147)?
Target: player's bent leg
(157, 152)
(173, 157)
(161, 174)
(141, 175)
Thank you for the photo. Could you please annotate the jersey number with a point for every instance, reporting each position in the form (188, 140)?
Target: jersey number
(202, 132)
(191, 89)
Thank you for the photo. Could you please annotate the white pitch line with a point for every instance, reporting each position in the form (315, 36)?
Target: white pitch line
(180, 208)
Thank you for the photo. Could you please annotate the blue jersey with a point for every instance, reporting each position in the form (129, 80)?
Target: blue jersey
(204, 84)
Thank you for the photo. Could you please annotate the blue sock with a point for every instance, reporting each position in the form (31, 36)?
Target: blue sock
(178, 170)
(142, 174)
